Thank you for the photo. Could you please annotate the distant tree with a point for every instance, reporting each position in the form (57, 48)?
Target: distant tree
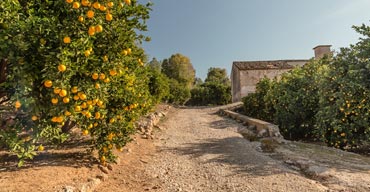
(217, 75)
(198, 81)
(158, 85)
(154, 64)
(179, 94)
(179, 68)
(216, 90)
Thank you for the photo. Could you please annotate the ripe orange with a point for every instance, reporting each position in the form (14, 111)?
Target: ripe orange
(85, 3)
(110, 136)
(17, 104)
(87, 53)
(129, 51)
(88, 114)
(91, 30)
(108, 17)
(60, 119)
(98, 28)
(96, 5)
(34, 118)
(74, 89)
(67, 40)
(76, 5)
(97, 115)
(54, 119)
(41, 148)
(83, 105)
(65, 100)
(112, 72)
(128, 2)
(106, 80)
(62, 67)
(102, 159)
(95, 76)
(112, 120)
(100, 103)
(81, 19)
(85, 132)
(57, 90)
(69, 1)
(110, 4)
(90, 126)
(120, 149)
(102, 8)
(67, 113)
(48, 83)
(54, 100)
(90, 14)
(124, 52)
(77, 108)
(97, 85)
(83, 96)
(76, 97)
(63, 93)
(102, 76)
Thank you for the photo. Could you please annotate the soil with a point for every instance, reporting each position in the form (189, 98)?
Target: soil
(193, 149)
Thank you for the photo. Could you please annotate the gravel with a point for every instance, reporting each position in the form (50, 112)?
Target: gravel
(201, 151)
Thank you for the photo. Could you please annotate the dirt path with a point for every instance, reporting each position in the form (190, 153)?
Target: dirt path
(201, 151)
(197, 150)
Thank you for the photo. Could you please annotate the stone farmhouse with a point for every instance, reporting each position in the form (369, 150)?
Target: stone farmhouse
(246, 74)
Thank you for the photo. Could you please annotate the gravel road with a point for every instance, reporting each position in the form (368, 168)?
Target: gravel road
(201, 151)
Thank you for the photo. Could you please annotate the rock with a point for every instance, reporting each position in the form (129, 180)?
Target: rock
(318, 171)
(144, 161)
(118, 160)
(110, 167)
(102, 177)
(90, 185)
(247, 134)
(155, 187)
(68, 189)
(103, 169)
(262, 133)
(289, 162)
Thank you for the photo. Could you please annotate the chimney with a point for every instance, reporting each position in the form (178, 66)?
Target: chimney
(321, 50)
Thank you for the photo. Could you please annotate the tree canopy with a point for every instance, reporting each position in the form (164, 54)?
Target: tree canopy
(217, 75)
(179, 67)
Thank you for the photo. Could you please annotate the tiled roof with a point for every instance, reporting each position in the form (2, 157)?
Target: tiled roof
(275, 64)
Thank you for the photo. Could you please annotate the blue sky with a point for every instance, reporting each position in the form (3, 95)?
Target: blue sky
(214, 33)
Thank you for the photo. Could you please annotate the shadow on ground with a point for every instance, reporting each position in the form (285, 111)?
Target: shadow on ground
(71, 154)
(234, 151)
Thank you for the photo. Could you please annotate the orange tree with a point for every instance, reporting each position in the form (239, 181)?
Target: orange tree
(295, 99)
(75, 63)
(343, 117)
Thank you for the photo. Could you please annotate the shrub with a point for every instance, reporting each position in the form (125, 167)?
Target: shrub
(295, 100)
(73, 63)
(210, 94)
(158, 85)
(179, 93)
(257, 104)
